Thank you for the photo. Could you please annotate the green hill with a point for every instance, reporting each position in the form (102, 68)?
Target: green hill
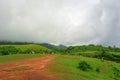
(85, 48)
(66, 67)
(56, 48)
(28, 48)
(97, 51)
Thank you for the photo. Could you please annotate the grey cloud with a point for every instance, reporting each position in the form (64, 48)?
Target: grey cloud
(69, 22)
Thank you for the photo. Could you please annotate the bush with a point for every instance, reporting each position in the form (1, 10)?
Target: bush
(84, 66)
(5, 52)
(116, 73)
(103, 54)
(28, 51)
(98, 70)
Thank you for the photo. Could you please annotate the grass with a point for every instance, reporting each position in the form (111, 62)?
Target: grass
(17, 57)
(19, 68)
(65, 67)
(117, 53)
(32, 47)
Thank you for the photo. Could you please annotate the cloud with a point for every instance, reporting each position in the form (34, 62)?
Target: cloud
(69, 22)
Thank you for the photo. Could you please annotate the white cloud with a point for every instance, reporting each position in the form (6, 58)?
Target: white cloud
(69, 22)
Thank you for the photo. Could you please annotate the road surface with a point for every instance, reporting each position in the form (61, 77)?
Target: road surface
(32, 69)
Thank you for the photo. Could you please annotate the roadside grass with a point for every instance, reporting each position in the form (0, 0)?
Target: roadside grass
(19, 68)
(65, 67)
(18, 57)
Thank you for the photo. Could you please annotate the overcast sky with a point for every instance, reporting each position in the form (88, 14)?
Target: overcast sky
(68, 22)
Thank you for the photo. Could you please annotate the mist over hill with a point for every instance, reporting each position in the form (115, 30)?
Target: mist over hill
(51, 46)
(67, 22)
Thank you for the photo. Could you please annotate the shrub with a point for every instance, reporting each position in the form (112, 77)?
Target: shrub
(116, 73)
(28, 51)
(103, 54)
(84, 66)
(5, 52)
(98, 70)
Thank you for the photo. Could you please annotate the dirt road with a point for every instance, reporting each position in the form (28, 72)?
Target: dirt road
(32, 69)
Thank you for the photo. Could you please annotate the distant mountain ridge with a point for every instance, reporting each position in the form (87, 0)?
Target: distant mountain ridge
(56, 48)
(4, 42)
(53, 47)
(48, 45)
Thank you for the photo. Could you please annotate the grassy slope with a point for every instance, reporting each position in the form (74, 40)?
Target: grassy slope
(33, 47)
(17, 57)
(91, 49)
(66, 68)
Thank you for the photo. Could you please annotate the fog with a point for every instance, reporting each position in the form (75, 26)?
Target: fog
(68, 22)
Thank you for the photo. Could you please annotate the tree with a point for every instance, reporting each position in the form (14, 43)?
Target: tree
(84, 66)
(5, 52)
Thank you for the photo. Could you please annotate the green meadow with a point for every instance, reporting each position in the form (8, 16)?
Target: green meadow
(65, 67)
(90, 62)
